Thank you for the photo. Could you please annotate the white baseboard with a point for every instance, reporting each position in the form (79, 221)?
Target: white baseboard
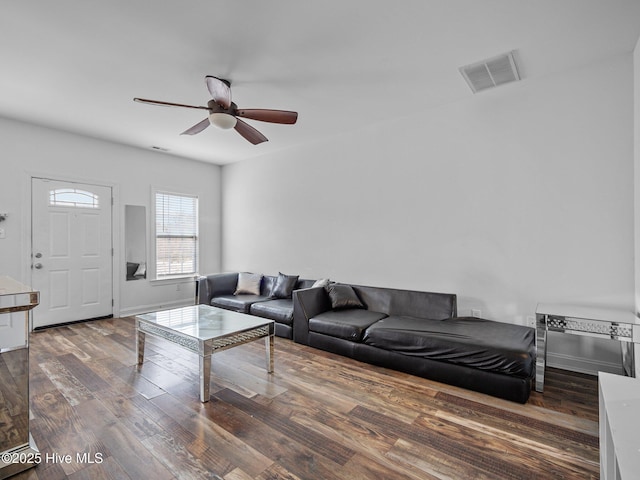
(140, 309)
(582, 365)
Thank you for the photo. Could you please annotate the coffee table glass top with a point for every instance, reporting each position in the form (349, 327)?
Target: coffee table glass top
(203, 322)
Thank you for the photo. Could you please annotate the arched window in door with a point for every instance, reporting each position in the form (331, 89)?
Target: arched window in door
(73, 197)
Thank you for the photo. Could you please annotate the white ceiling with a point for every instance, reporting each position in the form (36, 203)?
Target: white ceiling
(342, 64)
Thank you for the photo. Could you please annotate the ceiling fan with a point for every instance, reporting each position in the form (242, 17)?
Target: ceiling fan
(223, 113)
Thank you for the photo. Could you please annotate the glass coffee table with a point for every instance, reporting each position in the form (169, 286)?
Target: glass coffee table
(204, 330)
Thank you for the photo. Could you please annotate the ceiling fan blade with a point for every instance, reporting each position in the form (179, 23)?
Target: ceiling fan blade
(197, 128)
(250, 133)
(167, 104)
(220, 90)
(273, 116)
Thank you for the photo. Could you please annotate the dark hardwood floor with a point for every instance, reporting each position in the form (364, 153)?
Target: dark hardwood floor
(318, 416)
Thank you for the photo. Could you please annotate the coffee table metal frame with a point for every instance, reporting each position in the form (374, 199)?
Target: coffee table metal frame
(205, 347)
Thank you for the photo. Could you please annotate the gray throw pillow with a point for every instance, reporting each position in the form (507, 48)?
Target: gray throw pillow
(284, 286)
(343, 296)
(323, 282)
(248, 283)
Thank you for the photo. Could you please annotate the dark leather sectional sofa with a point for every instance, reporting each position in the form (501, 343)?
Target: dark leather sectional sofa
(419, 333)
(218, 290)
(410, 331)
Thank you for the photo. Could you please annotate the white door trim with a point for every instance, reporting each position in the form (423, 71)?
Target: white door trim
(117, 272)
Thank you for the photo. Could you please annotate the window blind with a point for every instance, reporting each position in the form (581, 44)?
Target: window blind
(176, 234)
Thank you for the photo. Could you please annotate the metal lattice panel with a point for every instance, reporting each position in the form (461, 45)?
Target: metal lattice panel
(238, 338)
(186, 342)
(608, 329)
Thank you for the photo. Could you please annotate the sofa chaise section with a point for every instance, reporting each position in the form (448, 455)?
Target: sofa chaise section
(420, 333)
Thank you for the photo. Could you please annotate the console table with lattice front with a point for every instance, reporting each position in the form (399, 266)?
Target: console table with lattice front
(204, 330)
(620, 325)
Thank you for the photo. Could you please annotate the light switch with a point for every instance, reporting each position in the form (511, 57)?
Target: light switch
(2, 234)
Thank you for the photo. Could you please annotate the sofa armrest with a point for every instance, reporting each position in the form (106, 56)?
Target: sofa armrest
(307, 303)
(214, 285)
(203, 293)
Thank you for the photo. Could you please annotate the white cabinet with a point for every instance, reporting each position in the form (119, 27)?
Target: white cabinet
(17, 449)
(619, 427)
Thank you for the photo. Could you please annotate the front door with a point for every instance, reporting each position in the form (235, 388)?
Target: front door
(71, 251)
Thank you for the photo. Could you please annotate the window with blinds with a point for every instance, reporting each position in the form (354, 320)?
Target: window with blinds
(176, 235)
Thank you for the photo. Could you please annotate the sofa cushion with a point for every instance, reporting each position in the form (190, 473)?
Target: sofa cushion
(280, 310)
(304, 283)
(348, 324)
(248, 283)
(343, 296)
(284, 286)
(410, 303)
(473, 342)
(238, 303)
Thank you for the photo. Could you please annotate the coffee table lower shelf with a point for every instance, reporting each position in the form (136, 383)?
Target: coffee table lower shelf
(150, 324)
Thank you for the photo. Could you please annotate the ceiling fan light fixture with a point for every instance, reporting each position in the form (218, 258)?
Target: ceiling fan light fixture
(223, 121)
(224, 114)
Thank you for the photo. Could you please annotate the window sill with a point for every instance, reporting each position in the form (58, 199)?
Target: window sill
(173, 280)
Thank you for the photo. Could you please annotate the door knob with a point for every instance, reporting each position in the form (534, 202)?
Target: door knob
(38, 266)
(38, 255)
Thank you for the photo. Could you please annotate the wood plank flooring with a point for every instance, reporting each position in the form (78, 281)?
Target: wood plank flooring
(318, 416)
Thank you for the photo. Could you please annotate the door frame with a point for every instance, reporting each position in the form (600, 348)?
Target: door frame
(27, 246)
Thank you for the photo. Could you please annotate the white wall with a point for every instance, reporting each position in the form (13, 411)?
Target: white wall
(636, 171)
(31, 150)
(519, 195)
(636, 176)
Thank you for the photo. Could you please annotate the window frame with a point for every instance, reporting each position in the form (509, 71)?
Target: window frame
(196, 237)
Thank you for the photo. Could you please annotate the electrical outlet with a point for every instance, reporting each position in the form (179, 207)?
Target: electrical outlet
(2, 234)
(531, 321)
(177, 287)
(476, 312)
